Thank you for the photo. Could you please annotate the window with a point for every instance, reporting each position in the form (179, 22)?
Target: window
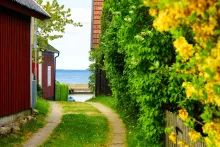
(49, 76)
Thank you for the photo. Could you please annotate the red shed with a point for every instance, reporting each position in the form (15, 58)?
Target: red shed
(47, 71)
(15, 55)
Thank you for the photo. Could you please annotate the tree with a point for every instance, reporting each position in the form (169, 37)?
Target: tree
(53, 28)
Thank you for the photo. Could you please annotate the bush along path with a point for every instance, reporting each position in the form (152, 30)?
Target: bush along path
(163, 55)
(53, 120)
(118, 131)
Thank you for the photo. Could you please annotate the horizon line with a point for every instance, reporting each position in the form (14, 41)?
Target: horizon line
(71, 69)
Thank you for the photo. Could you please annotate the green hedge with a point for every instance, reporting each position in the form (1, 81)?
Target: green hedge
(138, 62)
(62, 92)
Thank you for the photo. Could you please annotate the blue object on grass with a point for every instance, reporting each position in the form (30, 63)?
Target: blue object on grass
(71, 99)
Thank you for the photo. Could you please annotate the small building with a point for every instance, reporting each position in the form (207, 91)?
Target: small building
(47, 72)
(15, 56)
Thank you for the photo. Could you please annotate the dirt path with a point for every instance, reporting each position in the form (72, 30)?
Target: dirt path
(118, 132)
(53, 120)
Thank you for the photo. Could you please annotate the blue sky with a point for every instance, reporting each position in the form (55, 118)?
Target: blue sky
(75, 45)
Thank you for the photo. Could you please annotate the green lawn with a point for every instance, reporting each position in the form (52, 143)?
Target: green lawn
(105, 100)
(132, 130)
(28, 129)
(82, 126)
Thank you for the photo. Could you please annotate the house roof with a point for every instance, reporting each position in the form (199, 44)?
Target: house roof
(51, 49)
(27, 7)
(33, 5)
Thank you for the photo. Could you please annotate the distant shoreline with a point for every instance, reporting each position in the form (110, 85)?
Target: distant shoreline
(79, 89)
(78, 86)
(73, 69)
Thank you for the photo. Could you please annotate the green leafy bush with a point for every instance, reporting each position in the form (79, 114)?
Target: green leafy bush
(62, 92)
(138, 61)
(40, 91)
(92, 77)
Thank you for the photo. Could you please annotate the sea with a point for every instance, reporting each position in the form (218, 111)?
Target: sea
(72, 76)
(75, 77)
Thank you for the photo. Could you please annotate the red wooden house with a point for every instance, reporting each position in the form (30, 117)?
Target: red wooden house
(47, 71)
(15, 55)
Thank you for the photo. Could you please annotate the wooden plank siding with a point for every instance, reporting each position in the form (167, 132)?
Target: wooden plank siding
(48, 58)
(14, 62)
(102, 84)
(180, 129)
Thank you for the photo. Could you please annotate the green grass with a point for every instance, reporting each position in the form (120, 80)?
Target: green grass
(82, 108)
(62, 92)
(43, 107)
(28, 129)
(82, 126)
(105, 100)
(132, 130)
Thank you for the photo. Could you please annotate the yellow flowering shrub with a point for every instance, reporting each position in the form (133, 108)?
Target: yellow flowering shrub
(199, 58)
(213, 129)
(172, 137)
(181, 143)
(194, 136)
(183, 114)
(184, 49)
(189, 89)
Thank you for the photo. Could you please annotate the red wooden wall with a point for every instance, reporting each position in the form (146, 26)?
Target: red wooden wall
(97, 13)
(48, 59)
(14, 62)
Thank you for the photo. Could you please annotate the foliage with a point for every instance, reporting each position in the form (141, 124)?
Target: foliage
(95, 58)
(43, 107)
(164, 57)
(62, 92)
(137, 59)
(28, 129)
(78, 128)
(92, 77)
(40, 91)
(198, 59)
(57, 92)
(53, 28)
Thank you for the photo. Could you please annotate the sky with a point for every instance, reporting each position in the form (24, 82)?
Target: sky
(75, 45)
